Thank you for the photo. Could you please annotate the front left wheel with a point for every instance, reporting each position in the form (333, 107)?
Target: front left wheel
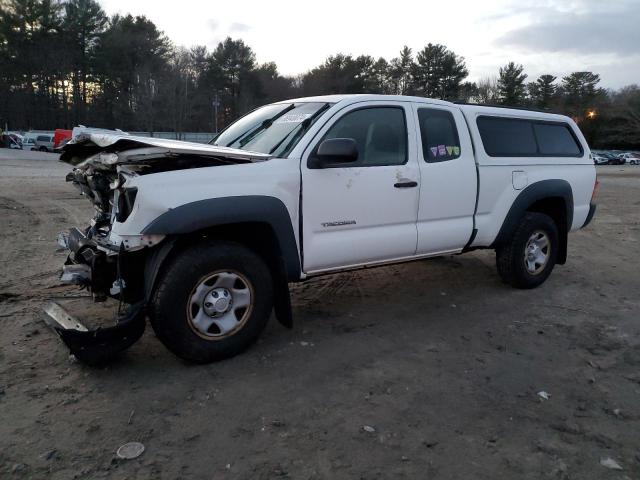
(212, 301)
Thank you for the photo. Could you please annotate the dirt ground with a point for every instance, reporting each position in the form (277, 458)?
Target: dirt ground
(440, 359)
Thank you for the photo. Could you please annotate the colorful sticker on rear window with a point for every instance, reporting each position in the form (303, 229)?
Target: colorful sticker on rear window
(445, 151)
(293, 118)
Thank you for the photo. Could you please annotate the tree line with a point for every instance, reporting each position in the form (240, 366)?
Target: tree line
(65, 63)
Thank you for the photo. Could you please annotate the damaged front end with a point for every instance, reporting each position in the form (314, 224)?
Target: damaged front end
(111, 257)
(102, 270)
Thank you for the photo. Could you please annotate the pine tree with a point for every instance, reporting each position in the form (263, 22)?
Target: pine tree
(542, 91)
(511, 85)
(438, 72)
(579, 89)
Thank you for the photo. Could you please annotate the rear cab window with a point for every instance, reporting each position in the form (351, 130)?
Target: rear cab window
(556, 139)
(519, 137)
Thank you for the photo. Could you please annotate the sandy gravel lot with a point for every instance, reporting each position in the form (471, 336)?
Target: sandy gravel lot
(438, 357)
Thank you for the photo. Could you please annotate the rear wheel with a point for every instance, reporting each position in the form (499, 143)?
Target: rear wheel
(212, 301)
(528, 258)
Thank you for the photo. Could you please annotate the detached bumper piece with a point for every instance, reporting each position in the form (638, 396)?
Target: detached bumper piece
(99, 346)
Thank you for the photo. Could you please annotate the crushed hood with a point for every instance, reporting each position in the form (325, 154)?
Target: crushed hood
(102, 150)
(100, 158)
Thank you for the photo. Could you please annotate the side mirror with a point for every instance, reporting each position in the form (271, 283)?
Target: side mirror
(333, 152)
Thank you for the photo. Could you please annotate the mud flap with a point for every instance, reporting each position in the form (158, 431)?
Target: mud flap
(282, 304)
(99, 346)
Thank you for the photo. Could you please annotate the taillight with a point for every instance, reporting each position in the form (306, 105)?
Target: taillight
(596, 186)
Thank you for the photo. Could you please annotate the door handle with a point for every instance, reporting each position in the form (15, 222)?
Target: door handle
(404, 183)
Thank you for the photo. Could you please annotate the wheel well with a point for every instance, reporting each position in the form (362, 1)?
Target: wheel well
(556, 208)
(261, 238)
(257, 236)
(260, 221)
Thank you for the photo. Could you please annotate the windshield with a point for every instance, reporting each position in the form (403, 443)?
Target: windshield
(272, 129)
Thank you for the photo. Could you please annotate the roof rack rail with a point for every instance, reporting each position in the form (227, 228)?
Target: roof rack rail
(505, 106)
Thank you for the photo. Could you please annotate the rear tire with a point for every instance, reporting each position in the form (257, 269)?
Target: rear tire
(212, 301)
(528, 258)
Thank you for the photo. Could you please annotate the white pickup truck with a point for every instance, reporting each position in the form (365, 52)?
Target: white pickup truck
(204, 239)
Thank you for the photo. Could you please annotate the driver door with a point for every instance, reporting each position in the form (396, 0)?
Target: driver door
(362, 212)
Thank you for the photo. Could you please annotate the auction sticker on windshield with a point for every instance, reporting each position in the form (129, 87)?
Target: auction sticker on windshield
(294, 118)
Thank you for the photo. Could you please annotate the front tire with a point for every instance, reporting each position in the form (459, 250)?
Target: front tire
(528, 258)
(212, 301)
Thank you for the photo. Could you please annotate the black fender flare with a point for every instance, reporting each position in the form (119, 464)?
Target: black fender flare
(552, 188)
(216, 212)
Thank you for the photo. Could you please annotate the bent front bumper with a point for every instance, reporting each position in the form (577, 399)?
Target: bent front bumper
(88, 266)
(99, 346)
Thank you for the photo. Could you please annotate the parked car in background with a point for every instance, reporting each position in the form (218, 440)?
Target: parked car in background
(614, 158)
(44, 143)
(600, 159)
(17, 140)
(9, 140)
(28, 143)
(61, 137)
(630, 158)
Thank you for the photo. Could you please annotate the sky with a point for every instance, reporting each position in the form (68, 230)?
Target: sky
(546, 36)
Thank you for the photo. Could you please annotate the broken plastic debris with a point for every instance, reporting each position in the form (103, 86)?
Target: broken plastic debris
(610, 463)
(369, 429)
(544, 395)
(130, 450)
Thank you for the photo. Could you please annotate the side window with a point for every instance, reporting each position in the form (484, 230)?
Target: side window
(556, 139)
(518, 137)
(439, 134)
(507, 137)
(379, 132)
